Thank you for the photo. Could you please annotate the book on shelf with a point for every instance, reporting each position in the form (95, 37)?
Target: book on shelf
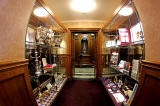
(133, 94)
(135, 69)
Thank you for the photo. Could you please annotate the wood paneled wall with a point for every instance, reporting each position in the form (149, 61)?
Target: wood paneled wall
(98, 49)
(91, 46)
(148, 93)
(15, 87)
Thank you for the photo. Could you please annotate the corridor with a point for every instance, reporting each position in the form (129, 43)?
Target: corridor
(83, 93)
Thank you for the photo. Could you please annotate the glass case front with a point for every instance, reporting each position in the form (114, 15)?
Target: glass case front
(46, 42)
(123, 49)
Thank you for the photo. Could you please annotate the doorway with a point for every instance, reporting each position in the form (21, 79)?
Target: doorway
(84, 54)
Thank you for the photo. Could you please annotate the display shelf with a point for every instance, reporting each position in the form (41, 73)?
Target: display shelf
(120, 70)
(42, 85)
(112, 89)
(126, 38)
(122, 73)
(47, 98)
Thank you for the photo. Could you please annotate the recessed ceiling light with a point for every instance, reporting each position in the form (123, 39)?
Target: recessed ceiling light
(40, 12)
(126, 11)
(83, 5)
(92, 34)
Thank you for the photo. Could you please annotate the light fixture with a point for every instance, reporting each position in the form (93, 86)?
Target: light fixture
(76, 34)
(126, 11)
(40, 12)
(92, 34)
(85, 36)
(83, 5)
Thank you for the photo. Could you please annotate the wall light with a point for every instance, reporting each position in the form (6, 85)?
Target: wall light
(126, 11)
(83, 5)
(40, 12)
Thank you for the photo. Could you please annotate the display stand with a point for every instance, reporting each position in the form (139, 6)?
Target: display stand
(43, 37)
(113, 90)
(48, 97)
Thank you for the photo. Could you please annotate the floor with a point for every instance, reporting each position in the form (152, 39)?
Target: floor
(83, 93)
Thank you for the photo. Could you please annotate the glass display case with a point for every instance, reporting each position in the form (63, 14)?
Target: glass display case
(123, 49)
(45, 44)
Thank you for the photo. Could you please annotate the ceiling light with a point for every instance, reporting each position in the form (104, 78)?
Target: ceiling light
(40, 12)
(85, 36)
(92, 34)
(76, 34)
(126, 11)
(83, 5)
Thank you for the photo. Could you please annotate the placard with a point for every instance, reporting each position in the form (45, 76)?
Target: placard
(137, 33)
(124, 36)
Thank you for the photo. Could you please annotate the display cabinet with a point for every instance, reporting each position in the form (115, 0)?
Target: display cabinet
(123, 49)
(45, 46)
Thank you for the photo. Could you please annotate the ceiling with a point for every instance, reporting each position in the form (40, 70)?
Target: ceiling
(43, 21)
(103, 11)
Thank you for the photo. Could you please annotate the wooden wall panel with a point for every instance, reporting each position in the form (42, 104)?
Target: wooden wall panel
(148, 93)
(15, 87)
(98, 49)
(91, 47)
(99, 54)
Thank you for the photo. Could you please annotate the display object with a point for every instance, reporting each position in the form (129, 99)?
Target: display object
(135, 69)
(120, 91)
(124, 36)
(114, 58)
(30, 36)
(137, 33)
(48, 37)
(114, 91)
(43, 37)
(49, 95)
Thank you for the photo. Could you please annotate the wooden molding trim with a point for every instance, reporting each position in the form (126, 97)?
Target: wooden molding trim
(52, 14)
(15, 82)
(83, 29)
(150, 64)
(123, 2)
(12, 64)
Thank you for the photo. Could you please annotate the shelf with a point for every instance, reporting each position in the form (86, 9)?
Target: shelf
(115, 68)
(42, 85)
(109, 85)
(48, 98)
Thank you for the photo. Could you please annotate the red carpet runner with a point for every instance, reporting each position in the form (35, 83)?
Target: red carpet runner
(83, 93)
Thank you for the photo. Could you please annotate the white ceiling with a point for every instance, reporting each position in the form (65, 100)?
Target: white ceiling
(103, 11)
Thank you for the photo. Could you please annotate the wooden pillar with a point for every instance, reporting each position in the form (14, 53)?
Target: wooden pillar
(99, 54)
(69, 66)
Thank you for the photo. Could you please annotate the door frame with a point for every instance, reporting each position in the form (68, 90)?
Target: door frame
(98, 50)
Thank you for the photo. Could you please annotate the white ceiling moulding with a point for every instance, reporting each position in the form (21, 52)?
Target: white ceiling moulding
(70, 21)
